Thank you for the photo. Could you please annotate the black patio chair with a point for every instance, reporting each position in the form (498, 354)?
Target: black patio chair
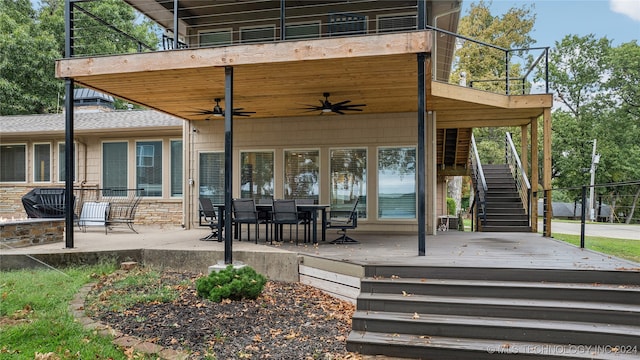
(208, 214)
(244, 212)
(306, 216)
(285, 212)
(343, 220)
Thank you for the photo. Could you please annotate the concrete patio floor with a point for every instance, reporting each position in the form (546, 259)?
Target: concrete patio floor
(449, 248)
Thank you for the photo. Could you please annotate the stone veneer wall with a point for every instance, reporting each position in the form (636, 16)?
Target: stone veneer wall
(32, 232)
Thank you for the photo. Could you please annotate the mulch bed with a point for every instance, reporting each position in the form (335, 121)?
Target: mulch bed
(288, 321)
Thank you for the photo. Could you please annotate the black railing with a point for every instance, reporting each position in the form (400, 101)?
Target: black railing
(479, 182)
(518, 173)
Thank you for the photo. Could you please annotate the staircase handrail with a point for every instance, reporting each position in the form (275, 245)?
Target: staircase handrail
(479, 179)
(518, 173)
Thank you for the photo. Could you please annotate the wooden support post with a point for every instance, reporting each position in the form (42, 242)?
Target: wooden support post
(534, 175)
(546, 180)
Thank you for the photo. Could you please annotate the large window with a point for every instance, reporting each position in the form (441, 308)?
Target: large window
(257, 34)
(212, 176)
(176, 168)
(397, 183)
(301, 171)
(114, 165)
(13, 162)
(349, 179)
(41, 162)
(215, 38)
(149, 167)
(256, 175)
(302, 31)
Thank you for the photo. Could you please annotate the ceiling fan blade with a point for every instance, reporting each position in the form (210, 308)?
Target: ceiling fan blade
(354, 105)
(341, 103)
(337, 111)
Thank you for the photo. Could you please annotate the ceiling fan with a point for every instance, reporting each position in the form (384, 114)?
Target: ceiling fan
(339, 108)
(218, 111)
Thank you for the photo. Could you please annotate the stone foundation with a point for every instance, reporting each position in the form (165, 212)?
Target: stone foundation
(21, 233)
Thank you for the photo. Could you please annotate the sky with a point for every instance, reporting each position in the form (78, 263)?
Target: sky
(618, 20)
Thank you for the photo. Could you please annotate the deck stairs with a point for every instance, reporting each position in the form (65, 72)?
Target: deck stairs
(505, 211)
(487, 313)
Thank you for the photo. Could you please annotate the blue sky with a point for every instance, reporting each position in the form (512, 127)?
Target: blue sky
(618, 20)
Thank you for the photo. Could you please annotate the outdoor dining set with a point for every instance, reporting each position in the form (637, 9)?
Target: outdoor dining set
(274, 214)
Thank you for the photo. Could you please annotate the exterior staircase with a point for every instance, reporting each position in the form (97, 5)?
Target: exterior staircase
(505, 211)
(487, 313)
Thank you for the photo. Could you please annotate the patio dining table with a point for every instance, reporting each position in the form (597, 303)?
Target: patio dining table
(308, 208)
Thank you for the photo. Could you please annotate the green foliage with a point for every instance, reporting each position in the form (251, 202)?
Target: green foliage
(622, 248)
(231, 283)
(35, 316)
(451, 206)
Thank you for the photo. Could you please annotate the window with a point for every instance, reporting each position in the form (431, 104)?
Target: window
(212, 176)
(397, 183)
(176, 167)
(256, 175)
(397, 22)
(257, 34)
(13, 162)
(149, 168)
(41, 162)
(215, 38)
(347, 24)
(62, 161)
(302, 31)
(114, 165)
(301, 171)
(348, 179)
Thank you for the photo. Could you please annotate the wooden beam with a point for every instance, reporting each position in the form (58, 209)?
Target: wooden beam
(320, 49)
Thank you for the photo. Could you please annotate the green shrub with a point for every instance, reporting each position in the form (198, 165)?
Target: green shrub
(231, 283)
(451, 206)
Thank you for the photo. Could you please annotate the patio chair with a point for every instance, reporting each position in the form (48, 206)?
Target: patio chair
(244, 212)
(208, 214)
(343, 220)
(306, 216)
(285, 212)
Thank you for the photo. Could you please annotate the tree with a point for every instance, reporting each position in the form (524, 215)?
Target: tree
(31, 40)
(509, 31)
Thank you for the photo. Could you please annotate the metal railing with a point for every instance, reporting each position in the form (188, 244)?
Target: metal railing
(473, 63)
(519, 174)
(479, 181)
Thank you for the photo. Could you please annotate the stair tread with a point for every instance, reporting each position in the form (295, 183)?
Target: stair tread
(509, 284)
(521, 323)
(546, 303)
(487, 347)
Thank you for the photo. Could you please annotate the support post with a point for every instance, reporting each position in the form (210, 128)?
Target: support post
(421, 154)
(176, 38)
(583, 216)
(547, 168)
(228, 164)
(68, 145)
(534, 175)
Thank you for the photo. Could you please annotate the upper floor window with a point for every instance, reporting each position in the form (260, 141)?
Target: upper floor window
(396, 22)
(13, 163)
(397, 183)
(149, 167)
(349, 179)
(301, 174)
(302, 31)
(256, 175)
(215, 38)
(347, 24)
(257, 34)
(41, 162)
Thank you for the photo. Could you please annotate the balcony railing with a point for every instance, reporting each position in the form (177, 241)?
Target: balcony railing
(456, 59)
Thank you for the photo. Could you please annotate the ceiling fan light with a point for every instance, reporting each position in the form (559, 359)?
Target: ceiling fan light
(326, 110)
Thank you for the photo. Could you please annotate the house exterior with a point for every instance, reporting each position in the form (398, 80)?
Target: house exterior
(109, 151)
(286, 68)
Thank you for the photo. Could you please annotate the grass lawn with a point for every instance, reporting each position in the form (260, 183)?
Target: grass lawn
(624, 249)
(35, 317)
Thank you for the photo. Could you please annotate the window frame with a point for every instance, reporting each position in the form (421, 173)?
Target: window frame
(273, 173)
(34, 153)
(26, 163)
(378, 182)
(216, 198)
(361, 206)
(317, 23)
(317, 185)
(102, 159)
(154, 166)
(171, 165)
(228, 31)
(271, 27)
